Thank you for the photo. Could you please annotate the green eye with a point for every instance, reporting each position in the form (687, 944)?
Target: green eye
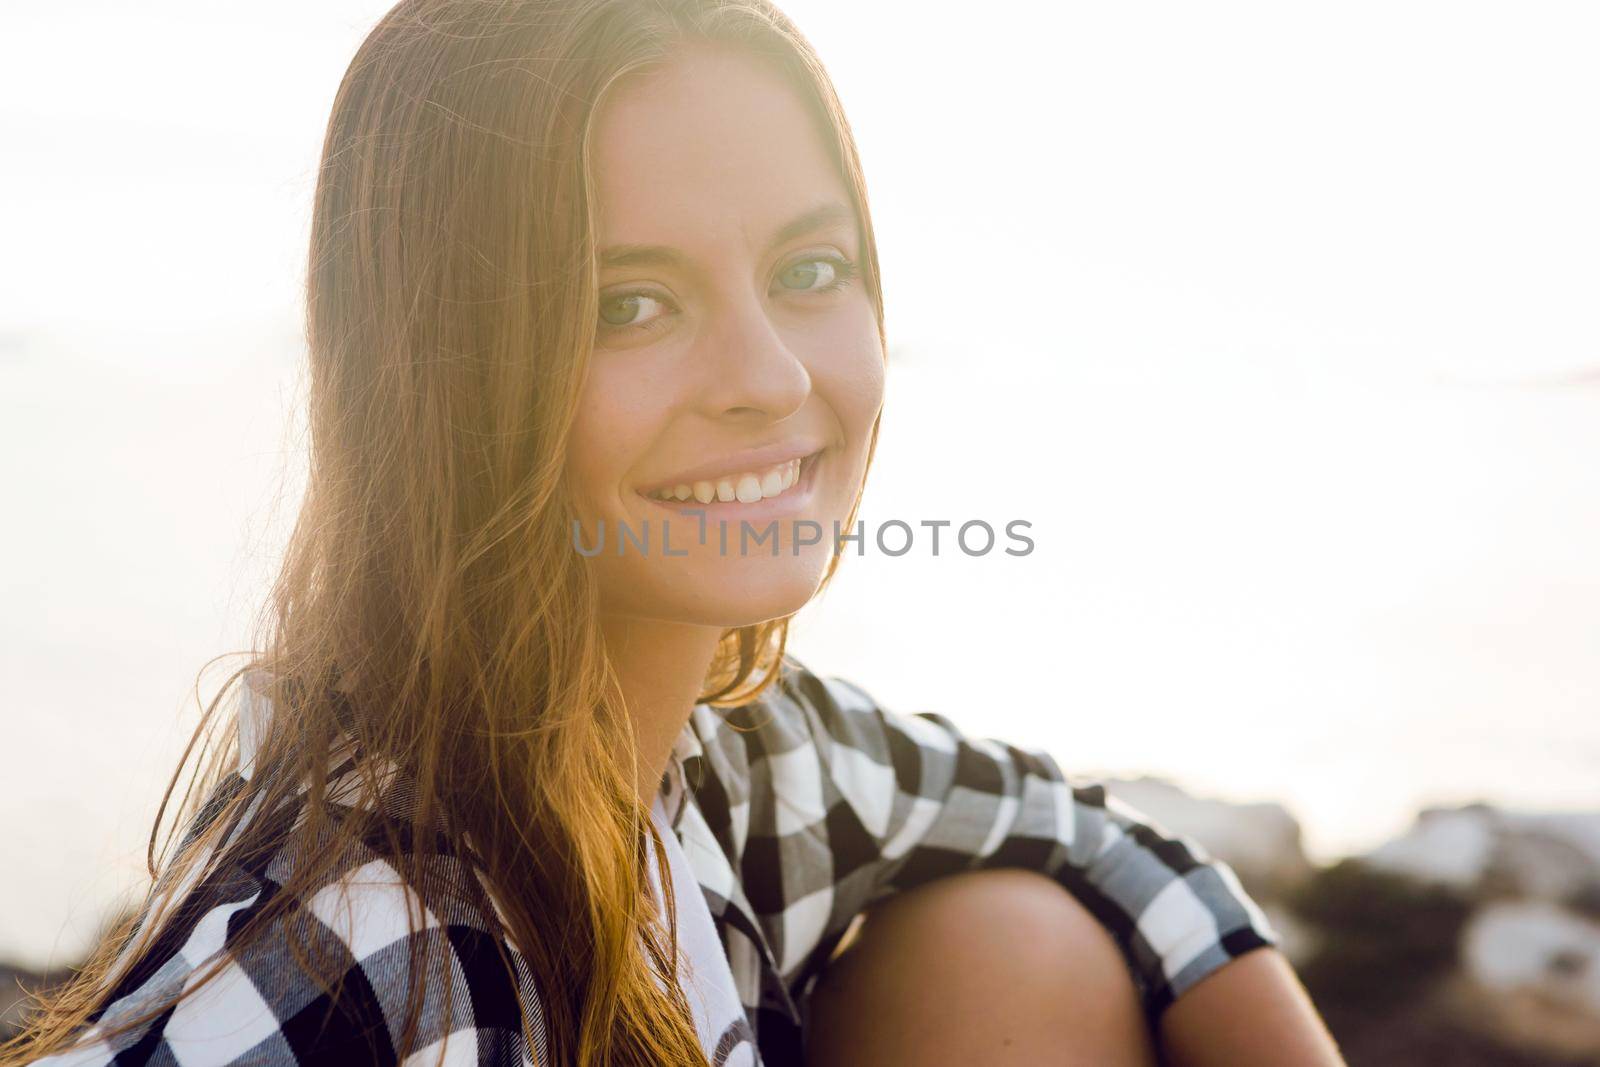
(621, 311)
(818, 274)
(806, 274)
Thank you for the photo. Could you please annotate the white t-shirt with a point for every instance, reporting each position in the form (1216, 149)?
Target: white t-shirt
(703, 969)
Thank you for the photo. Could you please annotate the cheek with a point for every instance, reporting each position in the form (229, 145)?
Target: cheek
(609, 434)
(866, 387)
(848, 370)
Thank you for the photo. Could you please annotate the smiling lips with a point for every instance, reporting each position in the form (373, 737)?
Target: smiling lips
(746, 487)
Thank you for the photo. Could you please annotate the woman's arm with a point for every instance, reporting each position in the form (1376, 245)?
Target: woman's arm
(907, 798)
(1252, 1012)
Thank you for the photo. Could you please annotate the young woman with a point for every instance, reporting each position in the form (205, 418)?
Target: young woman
(491, 794)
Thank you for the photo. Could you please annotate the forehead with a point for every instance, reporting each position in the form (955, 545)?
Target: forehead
(711, 145)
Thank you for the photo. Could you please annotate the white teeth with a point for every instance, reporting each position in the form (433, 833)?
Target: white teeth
(747, 488)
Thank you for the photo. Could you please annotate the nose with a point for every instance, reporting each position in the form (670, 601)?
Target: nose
(749, 369)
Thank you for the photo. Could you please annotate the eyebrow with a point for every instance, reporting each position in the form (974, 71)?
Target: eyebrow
(817, 218)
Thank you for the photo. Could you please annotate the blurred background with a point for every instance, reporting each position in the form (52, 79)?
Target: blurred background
(1280, 324)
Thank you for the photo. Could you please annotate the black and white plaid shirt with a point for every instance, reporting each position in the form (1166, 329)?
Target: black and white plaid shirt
(797, 812)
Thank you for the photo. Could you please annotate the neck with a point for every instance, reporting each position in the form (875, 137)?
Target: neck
(661, 667)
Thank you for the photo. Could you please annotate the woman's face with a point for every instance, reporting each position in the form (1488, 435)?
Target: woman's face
(737, 358)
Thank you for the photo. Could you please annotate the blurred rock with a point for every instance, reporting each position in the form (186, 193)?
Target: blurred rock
(1493, 853)
(1473, 940)
(1531, 976)
(1451, 848)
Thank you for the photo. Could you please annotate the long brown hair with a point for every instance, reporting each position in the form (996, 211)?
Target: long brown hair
(429, 584)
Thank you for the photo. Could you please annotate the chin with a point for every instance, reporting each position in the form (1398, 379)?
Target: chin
(735, 592)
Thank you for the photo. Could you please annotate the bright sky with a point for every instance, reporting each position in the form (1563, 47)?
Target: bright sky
(1278, 322)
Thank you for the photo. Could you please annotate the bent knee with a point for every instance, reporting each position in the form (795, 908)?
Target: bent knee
(1023, 918)
(1008, 947)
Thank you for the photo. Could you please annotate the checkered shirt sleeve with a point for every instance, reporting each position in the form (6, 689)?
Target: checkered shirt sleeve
(901, 799)
(361, 926)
